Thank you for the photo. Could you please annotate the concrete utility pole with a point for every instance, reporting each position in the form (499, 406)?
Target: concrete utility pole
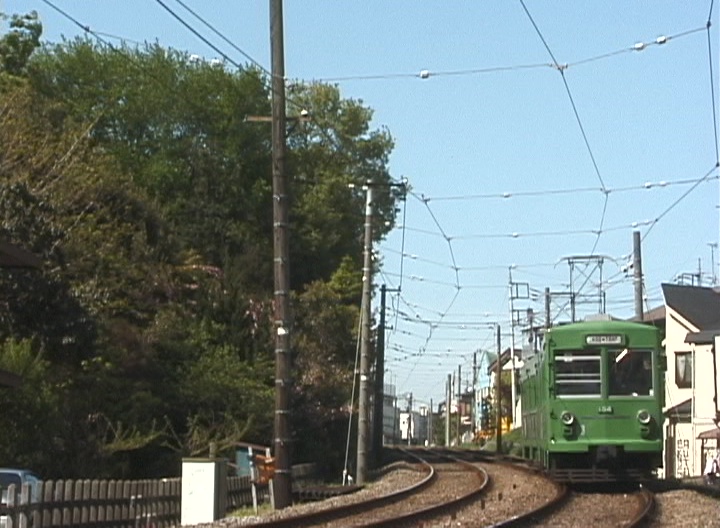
(473, 412)
(448, 406)
(411, 421)
(379, 402)
(498, 407)
(430, 434)
(637, 276)
(513, 396)
(459, 397)
(282, 486)
(548, 316)
(364, 396)
(713, 275)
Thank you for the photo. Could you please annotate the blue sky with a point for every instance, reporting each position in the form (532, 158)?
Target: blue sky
(503, 182)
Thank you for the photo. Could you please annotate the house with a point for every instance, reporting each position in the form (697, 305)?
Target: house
(511, 413)
(692, 335)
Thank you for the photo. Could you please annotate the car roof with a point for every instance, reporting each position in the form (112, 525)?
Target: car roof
(17, 471)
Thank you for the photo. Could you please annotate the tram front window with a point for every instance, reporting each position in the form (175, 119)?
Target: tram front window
(577, 373)
(630, 372)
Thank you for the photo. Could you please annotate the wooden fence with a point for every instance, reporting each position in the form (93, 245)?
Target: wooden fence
(107, 503)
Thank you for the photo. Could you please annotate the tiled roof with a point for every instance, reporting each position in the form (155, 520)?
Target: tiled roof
(681, 409)
(699, 305)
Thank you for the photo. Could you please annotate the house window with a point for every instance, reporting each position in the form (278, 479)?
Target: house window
(683, 369)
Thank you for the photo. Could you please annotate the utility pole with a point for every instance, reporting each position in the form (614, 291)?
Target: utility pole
(430, 434)
(448, 407)
(379, 402)
(459, 397)
(713, 274)
(498, 406)
(548, 317)
(473, 412)
(512, 346)
(411, 421)
(364, 396)
(282, 485)
(637, 276)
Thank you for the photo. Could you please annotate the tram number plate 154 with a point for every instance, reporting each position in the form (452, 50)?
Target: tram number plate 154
(605, 409)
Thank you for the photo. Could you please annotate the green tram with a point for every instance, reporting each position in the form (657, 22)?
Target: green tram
(592, 402)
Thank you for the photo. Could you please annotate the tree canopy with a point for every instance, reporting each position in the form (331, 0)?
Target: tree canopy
(136, 177)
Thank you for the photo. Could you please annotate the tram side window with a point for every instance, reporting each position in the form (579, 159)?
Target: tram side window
(577, 373)
(630, 372)
(683, 370)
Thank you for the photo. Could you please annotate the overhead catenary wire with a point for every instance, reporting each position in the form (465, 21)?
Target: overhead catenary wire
(712, 83)
(224, 38)
(456, 266)
(425, 74)
(561, 70)
(645, 186)
(198, 34)
(672, 206)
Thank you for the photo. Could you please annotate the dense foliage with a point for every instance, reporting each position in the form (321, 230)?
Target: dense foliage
(145, 335)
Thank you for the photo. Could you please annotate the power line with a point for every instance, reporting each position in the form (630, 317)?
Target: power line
(646, 186)
(198, 35)
(561, 70)
(712, 85)
(680, 199)
(427, 74)
(224, 38)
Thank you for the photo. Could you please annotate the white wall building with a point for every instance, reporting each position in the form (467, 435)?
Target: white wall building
(692, 327)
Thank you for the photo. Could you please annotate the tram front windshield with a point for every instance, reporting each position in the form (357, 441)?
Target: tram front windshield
(577, 373)
(630, 372)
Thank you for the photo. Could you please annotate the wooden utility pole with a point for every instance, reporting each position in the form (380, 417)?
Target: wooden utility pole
(364, 393)
(282, 486)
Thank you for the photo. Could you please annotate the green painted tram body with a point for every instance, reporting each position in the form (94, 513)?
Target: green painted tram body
(592, 402)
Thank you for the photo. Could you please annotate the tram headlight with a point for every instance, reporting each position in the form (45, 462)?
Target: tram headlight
(567, 418)
(644, 417)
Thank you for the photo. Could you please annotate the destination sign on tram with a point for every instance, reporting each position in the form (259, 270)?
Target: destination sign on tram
(604, 339)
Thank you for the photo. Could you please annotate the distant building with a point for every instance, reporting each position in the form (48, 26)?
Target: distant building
(414, 426)
(391, 416)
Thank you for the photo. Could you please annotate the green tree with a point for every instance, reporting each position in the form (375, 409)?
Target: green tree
(325, 344)
(179, 127)
(136, 177)
(19, 43)
(333, 155)
(28, 435)
(103, 264)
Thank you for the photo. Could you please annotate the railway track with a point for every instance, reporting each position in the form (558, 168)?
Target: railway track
(592, 509)
(447, 485)
(479, 491)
